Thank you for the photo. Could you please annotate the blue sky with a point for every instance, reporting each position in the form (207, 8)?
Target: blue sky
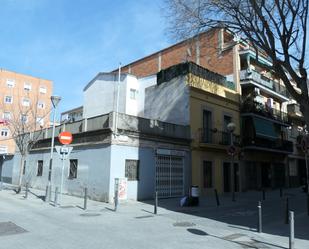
(70, 41)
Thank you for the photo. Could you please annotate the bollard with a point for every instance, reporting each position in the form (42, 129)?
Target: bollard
(287, 211)
(156, 203)
(27, 190)
(85, 198)
(291, 238)
(116, 200)
(56, 197)
(264, 195)
(281, 192)
(49, 193)
(259, 228)
(217, 197)
(46, 193)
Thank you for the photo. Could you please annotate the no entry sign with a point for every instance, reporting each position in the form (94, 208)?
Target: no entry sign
(65, 137)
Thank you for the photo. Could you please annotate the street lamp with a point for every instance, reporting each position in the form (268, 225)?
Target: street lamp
(55, 101)
(231, 128)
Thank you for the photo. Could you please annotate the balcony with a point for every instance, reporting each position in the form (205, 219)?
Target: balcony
(261, 80)
(294, 111)
(279, 145)
(214, 136)
(265, 111)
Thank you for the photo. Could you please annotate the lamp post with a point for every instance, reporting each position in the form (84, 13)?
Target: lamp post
(55, 101)
(231, 128)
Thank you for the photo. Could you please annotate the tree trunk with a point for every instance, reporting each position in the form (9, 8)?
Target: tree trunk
(21, 169)
(304, 107)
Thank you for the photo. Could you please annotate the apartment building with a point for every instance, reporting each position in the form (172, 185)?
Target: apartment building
(24, 102)
(207, 102)
(269, 155)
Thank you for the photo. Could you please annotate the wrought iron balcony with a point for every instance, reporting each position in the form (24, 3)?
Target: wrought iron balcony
(264, 81)
(263, 143)
(263, 110)
(214, 136)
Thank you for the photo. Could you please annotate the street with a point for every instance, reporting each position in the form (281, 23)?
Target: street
(32, 223)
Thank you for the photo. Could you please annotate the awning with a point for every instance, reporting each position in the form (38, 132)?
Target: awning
(264, 128)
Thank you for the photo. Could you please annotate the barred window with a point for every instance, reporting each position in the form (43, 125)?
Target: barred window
(132, 170)
(73, 169)
(40, 168)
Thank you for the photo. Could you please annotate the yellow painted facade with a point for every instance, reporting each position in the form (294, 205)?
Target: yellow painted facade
(220, 101)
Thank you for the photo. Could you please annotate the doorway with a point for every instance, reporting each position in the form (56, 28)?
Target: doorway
(227, 171)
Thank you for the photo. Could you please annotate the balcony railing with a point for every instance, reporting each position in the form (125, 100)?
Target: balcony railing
(214, 136)
(278, 144)
(264, 110)
(264, 81)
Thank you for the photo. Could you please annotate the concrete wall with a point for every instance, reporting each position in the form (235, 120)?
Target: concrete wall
(93, 171)
(144, 83)
(137, 190)
(100, 96)
(168, 102)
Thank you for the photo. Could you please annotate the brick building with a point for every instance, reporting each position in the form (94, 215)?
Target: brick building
(24, 100)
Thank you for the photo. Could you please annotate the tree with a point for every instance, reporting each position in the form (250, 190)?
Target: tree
(25, 123)
(278, 27)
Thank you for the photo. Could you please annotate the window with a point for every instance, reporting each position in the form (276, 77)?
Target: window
(132, 170)
(41, 104)
(4, 132)
(23, 118)
(6, 115)
(26, 102)
(10, 83)
(133, 93)
(226, 136)
(207, 127)
(207, 174)
(27, 86)
(43, 89)
(40, 168)
(8, 99)
(40, 121)
(73, 169)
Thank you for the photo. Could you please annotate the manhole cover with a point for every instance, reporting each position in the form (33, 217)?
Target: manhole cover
(90, 214)
(9, 228)
(183, 224)
(143, 217)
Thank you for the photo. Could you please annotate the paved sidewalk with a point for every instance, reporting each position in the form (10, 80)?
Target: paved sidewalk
(33, 224)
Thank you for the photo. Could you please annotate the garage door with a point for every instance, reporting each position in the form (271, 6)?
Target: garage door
(169, 176)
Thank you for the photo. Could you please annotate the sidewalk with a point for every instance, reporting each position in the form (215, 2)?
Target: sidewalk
(36, 224)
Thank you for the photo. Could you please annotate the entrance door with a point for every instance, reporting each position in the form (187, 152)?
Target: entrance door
(169, 176)
(227, 183)
(302, 174)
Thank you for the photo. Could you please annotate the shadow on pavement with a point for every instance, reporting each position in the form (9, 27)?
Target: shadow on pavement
(243, 213)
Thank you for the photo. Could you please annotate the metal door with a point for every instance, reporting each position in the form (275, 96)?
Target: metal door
(169, 176)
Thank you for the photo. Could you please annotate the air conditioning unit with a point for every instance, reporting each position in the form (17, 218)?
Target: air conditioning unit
(257, 91)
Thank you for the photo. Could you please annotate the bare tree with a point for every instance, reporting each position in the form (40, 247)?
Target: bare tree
(25, 123)
(278, 27)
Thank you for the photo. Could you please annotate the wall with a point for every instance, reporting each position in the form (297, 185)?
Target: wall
(144, 83)
(100, 95)
(6, 169)
(203, 50)
(168, 102)
(93, 171)
(137, 190)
